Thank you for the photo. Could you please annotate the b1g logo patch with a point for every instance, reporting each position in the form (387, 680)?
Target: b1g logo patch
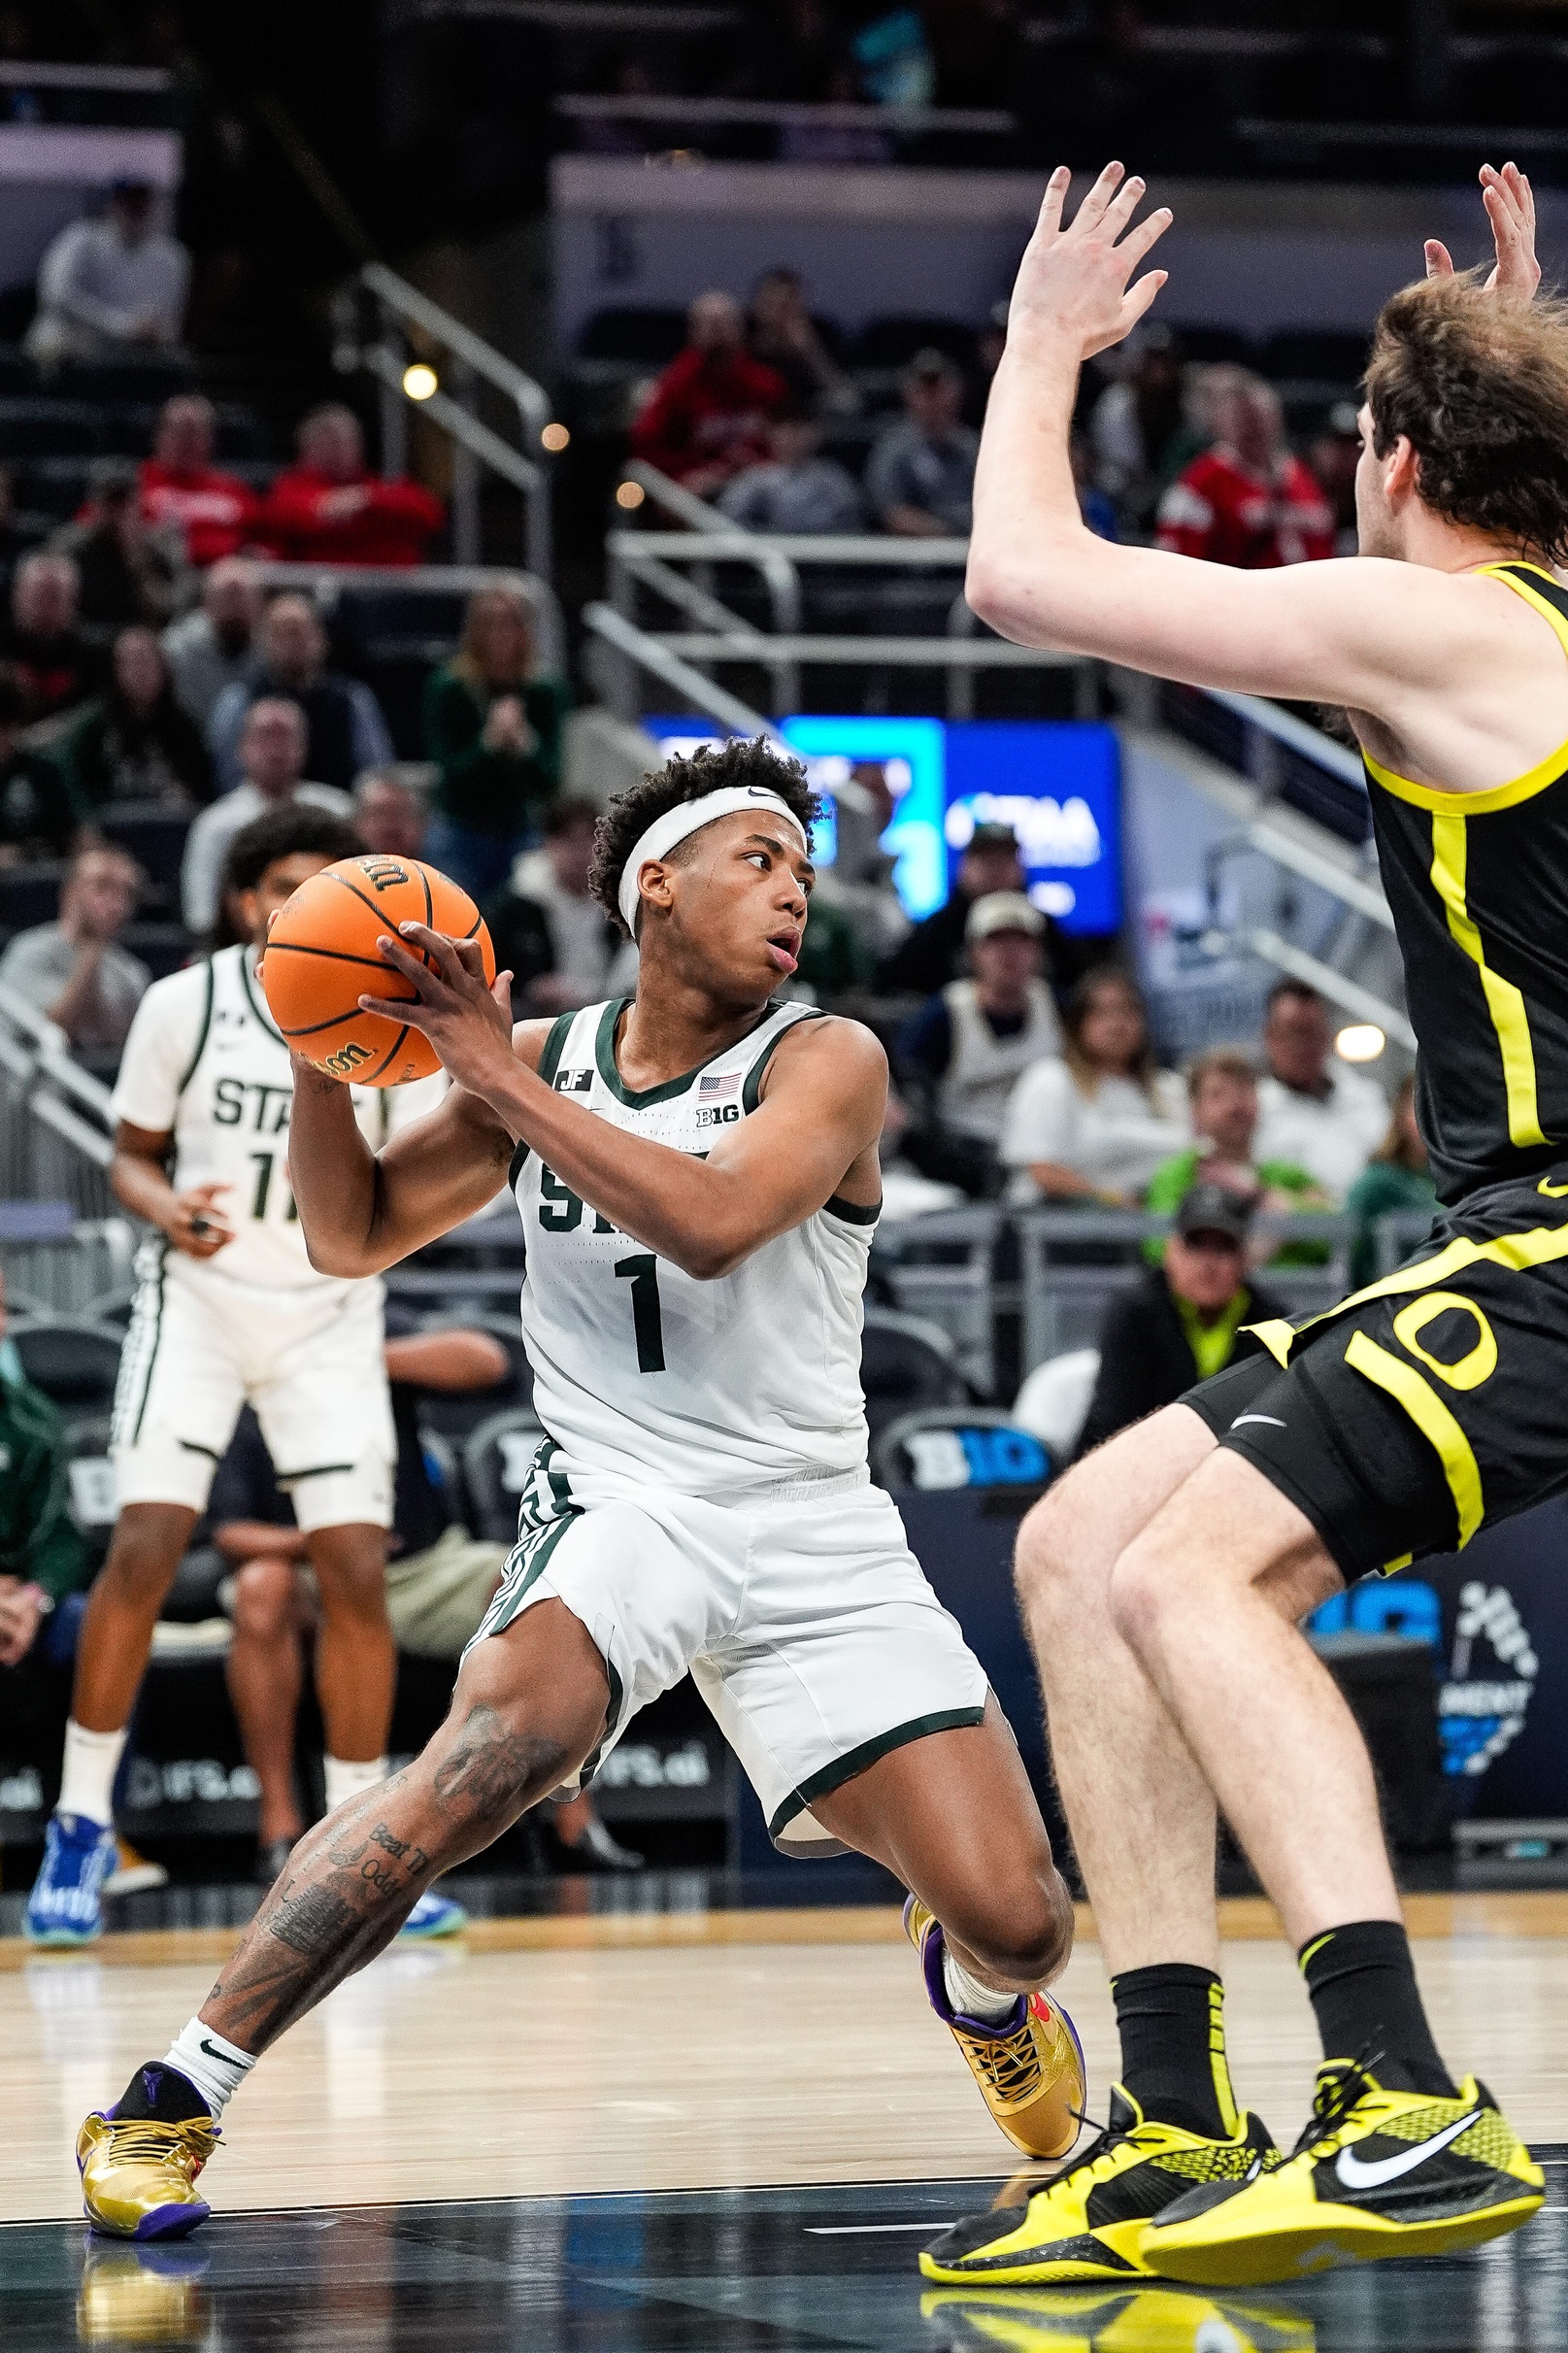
(718, 1115)
(347, 1059)
(384, 872)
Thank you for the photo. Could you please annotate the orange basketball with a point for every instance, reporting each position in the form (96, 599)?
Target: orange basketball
(321, 958)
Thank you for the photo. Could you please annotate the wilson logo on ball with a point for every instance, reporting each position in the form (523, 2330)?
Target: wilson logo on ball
(347, 1057)
(384, 872)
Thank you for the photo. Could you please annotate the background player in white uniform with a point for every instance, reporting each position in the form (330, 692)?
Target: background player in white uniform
(229, 1309)
(698, 1177)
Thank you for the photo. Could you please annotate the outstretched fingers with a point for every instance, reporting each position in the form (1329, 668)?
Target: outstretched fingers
(1055, 196)
(1144, 237)
(1096, 204)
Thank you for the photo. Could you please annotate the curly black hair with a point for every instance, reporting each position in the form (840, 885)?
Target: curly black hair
(742, 761)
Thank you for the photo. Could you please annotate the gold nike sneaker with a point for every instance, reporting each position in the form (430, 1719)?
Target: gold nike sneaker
(1090, 2223)
(1142, 2320)
(139, 2160)
(1031, 2068)
(1376, 2173)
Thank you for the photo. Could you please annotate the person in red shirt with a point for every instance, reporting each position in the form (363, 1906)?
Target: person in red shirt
(217, 512)
(1247, 501)
(708, 414)
(330, 508)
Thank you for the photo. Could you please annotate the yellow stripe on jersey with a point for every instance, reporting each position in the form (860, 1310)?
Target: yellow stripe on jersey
(1540, 1246)
(1414, 1392)
(1505, 1004)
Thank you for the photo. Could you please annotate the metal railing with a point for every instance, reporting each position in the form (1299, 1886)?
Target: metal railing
(378, 318)
(63, 1242)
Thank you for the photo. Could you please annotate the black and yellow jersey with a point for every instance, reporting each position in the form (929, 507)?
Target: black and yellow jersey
(1477, 886)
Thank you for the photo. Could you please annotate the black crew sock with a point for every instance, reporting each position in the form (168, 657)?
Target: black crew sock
(1171, 2021)
(1362, 1983)
(161, 2092)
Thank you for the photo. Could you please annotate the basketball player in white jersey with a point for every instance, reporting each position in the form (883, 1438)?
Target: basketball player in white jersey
(228, 1309)
(697, 1177)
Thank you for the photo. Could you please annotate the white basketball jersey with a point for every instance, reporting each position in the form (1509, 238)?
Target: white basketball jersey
(645, 1376)
(205, 1062)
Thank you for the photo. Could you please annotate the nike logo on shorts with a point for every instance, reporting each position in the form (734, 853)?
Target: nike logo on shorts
(1272, 1419)
(1357, 2175)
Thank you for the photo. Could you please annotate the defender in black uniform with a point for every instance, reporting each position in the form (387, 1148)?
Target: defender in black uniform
(1163, 1579)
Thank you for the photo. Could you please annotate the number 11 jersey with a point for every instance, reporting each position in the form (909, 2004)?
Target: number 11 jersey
(645, 1376)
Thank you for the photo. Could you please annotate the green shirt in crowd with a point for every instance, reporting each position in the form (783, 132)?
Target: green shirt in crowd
(1382, 1188)
(500, 792)
(1174, 1179)
(38, 1540)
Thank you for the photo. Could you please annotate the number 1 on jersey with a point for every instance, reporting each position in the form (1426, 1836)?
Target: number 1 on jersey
(646, 1321)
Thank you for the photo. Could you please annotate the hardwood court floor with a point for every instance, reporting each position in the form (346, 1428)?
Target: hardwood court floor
(650, 2052)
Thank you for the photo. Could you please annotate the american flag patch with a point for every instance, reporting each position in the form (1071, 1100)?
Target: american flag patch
(719, 1084)
(575, 1082)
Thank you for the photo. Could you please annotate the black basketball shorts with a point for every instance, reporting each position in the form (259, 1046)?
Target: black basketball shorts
(1430, 1404)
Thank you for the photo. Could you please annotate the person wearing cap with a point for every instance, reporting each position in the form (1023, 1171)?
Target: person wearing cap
(974, 1040)
(129, 569)
(110, 286)
(933, 954)
(1181, 1320)
(920, 476)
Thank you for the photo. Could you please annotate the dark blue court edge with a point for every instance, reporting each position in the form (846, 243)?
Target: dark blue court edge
(782, 2271)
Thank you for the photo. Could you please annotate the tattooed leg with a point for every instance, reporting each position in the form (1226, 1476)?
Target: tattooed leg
(528, 1708)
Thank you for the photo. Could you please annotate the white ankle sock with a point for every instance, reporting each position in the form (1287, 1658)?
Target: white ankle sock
(968, 1994)
(344, 1780)
(88, 1775)
(214, 2066)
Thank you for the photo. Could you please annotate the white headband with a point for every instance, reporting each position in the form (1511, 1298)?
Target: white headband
(690, 816)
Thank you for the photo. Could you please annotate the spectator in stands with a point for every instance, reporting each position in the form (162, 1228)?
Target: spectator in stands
(547, 925)
(73, 972)
(969, 1045)
(127, 570)
(796, 488)
(1094, 1126)
(50, 657)
(933, 954)
(110, 286)
(214, 513)
(274, 740)
(1137, 425)
(389, 813)
(706, 417)
(1334, 456)
(330, 508)
(1182, 1320)
(44, 1563)
(348, 732)
(1249, 501)
(1396, 1180)
(1315, 1110)
(1221, 1089)
(494, 720)
(37, 815)
(920, 476)
(781, 332)
(439, 1579)
(860, 879)
(135, 743)
(214, 647)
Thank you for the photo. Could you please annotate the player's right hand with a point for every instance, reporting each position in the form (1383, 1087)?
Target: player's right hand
(196, 1224)
(1511, 209)
(1073, 281)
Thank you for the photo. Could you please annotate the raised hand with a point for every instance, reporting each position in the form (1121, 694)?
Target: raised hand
(1511, 209)
(1073, 281)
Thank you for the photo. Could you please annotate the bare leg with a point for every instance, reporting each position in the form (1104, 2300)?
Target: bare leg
(122, 1609)
(1140, 1810)
(529, 1705)
(265, 1670)
(1208, 1597)
(356, 1656)
(954, 1817)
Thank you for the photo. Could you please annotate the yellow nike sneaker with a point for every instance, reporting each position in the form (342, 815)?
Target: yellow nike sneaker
(1031, 2068)
(1376, 2173)
(139, 2160)
(1142, 2320)
(1090, 2223)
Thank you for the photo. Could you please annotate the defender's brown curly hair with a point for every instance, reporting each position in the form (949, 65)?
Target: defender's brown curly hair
(710, 769)
(1479, 382)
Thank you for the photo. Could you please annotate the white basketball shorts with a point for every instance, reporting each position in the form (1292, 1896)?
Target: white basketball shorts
(309, 1362)
(805, 1620)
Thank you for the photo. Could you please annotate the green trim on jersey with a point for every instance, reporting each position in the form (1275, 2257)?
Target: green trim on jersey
(549, 1062)
(258, 1008)
(870, 1752)
(750, 1092)
(189, 1070)
(636, 1099)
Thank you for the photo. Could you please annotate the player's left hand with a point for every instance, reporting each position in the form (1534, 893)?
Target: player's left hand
(467, 1020)
(1511, 209)
(1072, 280)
